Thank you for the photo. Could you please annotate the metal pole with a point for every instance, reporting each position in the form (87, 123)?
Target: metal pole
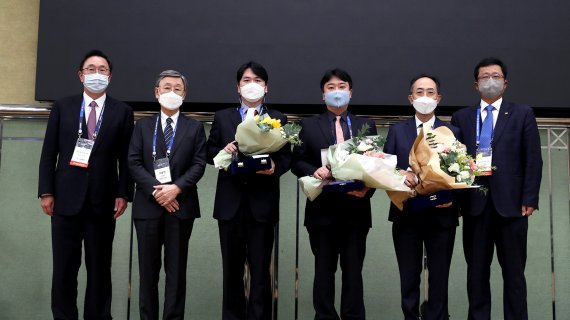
(130, 269)
(297, 257)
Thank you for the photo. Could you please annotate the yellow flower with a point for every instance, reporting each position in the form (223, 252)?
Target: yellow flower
(272, 122)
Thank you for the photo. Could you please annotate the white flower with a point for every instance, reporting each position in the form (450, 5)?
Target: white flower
(454, 167)
(440, 148)
(363, 146)
(465, 175)
(368, 141)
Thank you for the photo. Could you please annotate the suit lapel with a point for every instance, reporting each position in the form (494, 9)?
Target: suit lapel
(181, 128)
(235, 118)
(326, 128)
(411, 131)
(108, 117)
(502, 121)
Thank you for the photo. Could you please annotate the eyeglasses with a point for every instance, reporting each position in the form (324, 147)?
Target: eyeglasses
(429, 93)
(92, 69)
(494, 76)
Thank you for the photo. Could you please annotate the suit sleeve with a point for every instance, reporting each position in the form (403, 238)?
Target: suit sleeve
(533, 161)
(126, 185)
(390, 145)
(144, 179)
(50, 150)
(301, 164)
(197, 167)
(213, 145)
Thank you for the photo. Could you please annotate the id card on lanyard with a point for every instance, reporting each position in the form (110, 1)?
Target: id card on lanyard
(83, 147)
(483, 156)
(162, 166)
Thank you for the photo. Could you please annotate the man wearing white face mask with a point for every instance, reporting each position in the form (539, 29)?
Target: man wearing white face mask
(503, 135)
(84, 186)
(432, 228)
(167, 158)
(337, 223)
(247, 206)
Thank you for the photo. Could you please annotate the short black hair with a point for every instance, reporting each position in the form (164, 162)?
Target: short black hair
(425, 75)
(96, 53)
(256, 68)
(339, 73)
(490, 61)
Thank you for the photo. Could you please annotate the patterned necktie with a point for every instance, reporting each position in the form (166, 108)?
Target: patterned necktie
(487, 129)
(338, 129)
(168, 132)
(92, 120)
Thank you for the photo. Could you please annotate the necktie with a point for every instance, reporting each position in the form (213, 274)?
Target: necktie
(251, 112)
(168, 132)
(338, 129)
(487, 129)
(92, 120)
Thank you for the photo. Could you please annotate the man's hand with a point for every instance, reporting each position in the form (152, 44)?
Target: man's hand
(359, 193)
(411, 178)
(166, 194)
(231, 148)
(322, 173)
(268, 171)
(120, 207)
(47, 203)
(527, 211)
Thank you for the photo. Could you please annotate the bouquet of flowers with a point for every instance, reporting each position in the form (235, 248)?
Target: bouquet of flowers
(360, 158)
(260, 135)
(441, 163)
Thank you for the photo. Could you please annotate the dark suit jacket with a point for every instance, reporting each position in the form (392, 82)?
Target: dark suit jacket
(399, 142)
(329, 208)
(516, 155)
(262, 191)
(187, 165)
(101, 182)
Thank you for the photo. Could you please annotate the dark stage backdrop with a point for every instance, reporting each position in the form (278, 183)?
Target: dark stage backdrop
(381, 43)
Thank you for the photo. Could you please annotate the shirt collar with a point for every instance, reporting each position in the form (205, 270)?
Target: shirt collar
(332, 116)
(243, 108)
(174, 117)
(100, 101)
(429, 123)
(496, 104)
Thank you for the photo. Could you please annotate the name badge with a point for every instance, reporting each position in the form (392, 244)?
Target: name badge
(324, 158)
(162, 170)
(82, 152)
(484, 160)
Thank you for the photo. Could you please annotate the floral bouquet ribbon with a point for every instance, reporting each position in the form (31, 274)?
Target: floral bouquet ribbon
(259, 135)
(361, 159)
(441, 163)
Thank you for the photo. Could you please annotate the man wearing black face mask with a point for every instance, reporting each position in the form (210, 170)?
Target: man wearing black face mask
(432, 227)
(505, 138)
(84, 186)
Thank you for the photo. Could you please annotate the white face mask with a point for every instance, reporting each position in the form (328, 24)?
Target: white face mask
(252, 91)
(424, 105)
(96, 82)
(491, 88)
(170, 100)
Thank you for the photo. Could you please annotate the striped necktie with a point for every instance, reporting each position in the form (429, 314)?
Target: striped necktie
(168, 132)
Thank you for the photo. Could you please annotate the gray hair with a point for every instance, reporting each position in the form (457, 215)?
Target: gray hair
(174, 74)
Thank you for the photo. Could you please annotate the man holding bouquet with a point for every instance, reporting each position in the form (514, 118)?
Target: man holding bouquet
(338, 224)
(432, 227)
(504, 139)
(247, 205)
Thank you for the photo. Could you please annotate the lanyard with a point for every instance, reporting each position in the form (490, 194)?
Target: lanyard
(97, 126)
(169, 145)
(478, 126)
(243, 111)
(348, 124)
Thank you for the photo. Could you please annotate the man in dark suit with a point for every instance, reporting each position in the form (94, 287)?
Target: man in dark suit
(338, 224)
(167, 158)
(246, 206)
(505, 135)
(84, 186)
(433, 227)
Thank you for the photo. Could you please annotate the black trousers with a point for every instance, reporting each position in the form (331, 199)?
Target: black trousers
(69, 233)
(328, 244)
(409, 240)
(152, 234)
(245, 239)
(509, 235)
